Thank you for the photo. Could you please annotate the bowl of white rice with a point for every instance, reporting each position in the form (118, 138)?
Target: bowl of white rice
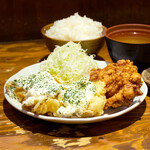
(83, 30)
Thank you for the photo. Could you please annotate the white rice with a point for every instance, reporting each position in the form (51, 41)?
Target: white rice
(75, 28)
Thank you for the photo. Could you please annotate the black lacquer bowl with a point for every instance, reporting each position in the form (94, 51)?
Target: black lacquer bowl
(129, 41)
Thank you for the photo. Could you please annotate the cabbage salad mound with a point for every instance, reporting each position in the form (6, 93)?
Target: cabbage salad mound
(61, 87)
(69, 63)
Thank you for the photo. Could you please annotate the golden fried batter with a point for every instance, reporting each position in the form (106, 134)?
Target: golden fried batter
(122, 81)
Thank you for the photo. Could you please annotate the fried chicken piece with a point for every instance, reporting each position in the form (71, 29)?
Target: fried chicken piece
(122, 81)
(20, 93)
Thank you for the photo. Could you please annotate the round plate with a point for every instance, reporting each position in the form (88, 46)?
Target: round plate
(108, 114)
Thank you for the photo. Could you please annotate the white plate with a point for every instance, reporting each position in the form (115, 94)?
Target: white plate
(109, 114)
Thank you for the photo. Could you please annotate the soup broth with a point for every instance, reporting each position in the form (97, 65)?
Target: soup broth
(131, 37)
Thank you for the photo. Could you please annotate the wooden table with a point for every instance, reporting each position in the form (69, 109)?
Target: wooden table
(19, 131)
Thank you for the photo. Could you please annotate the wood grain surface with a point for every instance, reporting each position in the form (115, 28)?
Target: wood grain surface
(19, 131)
(23, 19)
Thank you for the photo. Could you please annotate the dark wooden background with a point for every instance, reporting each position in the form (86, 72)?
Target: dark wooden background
(23, 19)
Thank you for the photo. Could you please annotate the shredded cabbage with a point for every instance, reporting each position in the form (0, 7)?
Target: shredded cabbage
(69, 63)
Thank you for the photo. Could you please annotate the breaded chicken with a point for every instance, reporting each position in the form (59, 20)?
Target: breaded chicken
(122, 81)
